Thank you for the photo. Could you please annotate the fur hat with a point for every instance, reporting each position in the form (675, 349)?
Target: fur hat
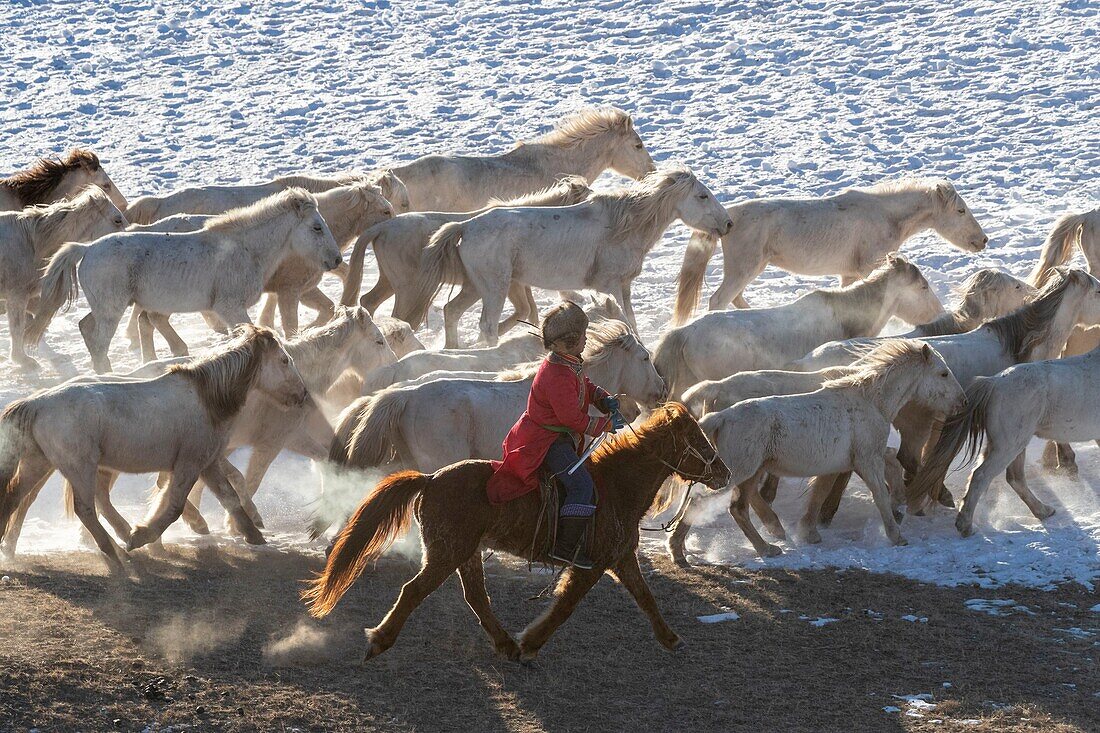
(565, 321)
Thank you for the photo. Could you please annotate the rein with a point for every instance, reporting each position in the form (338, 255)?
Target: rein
(688, 452)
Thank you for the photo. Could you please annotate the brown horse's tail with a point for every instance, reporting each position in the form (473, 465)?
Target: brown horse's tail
(60, 287)
(439, 263)
(699, 251)
(16, 439)
(354, 279)
(380, 518)
(966, 427)
(1059, 245)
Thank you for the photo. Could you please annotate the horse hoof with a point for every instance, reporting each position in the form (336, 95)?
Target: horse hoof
(900, 541)
(946, 499)
(674, 644)
(254, 538)
(374, 647)
(898, 516)
(811, 536)
(965, 528)
(509, 651)
(1046, 512)
(771, 551)
(528, 655)
(776, 531)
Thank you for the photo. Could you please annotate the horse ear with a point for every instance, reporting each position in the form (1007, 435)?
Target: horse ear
(945, 191)
(926, 352)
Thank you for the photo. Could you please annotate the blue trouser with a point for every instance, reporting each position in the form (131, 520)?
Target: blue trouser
(580, 492)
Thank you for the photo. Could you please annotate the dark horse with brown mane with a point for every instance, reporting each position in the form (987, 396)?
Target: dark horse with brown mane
(457, 520)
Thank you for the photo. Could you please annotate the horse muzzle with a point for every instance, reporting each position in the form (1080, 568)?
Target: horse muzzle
(333, 263)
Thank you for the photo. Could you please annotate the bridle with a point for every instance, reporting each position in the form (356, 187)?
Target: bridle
(692, 478)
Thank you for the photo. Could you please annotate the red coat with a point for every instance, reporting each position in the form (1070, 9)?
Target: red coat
(559, 399)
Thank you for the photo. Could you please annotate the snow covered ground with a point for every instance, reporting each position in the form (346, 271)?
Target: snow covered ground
(759, 98)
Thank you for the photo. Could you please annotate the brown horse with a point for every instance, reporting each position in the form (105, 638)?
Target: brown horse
(457, 520)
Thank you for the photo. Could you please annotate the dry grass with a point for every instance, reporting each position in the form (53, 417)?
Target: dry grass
(185, 645)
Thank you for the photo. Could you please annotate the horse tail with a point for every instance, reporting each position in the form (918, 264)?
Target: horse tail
(670, 363)
(966, 427)
(143, 210)
(380, 518)
(699, 251)
(16, 439)
(368, 433)
(1058, 246)
(439, 262)
(354, 279)
(60, 287)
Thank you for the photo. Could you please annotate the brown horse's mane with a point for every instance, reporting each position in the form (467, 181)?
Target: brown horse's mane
(34, 185)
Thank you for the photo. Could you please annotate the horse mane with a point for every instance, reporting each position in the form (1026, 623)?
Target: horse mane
(317, 343)
(877, 365)
(263, 210)
(939, 189)
(35, 184)
(584, 125)
(668, 416)
(48, 219)
(640, 207)
(318, 184)
(604, 335)
(224, 379)
(1024, 327)
(567, 191)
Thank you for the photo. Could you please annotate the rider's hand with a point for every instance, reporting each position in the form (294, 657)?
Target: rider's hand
(609, 404)
(617, 422)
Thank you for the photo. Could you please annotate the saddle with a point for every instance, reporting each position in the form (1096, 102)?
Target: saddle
(551, 500)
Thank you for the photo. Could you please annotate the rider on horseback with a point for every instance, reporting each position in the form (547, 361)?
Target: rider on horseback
(551, 432)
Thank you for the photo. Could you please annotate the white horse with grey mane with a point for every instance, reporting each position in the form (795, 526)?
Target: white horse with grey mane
(843, 235)
(28, 238)
(843, 426)
(399, 242)
(722, 343)
(585, 144)
(986, 294)
(179, 422)
(599, 245)
(432, 425)
(1055, 399)
(220, 268)
(347, 210)
(54, 179)
(218, 199)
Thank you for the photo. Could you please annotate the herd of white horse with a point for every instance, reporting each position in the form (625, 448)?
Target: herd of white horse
(805, 389)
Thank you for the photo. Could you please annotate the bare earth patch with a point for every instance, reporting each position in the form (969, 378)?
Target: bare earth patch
(209, 639)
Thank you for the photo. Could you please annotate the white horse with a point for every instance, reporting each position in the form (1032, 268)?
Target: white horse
(53, 179)
(722, 343)
(399, 242)
(350, 341)
(221, 268)
(441, 422)
(1055, 399)
(346, 209)
(986, 294)
(841, 427)
(843, 235)
(585, 144)
(712, 395)
(599, 244)
(220, 199)
(31, 236)
(179, 422)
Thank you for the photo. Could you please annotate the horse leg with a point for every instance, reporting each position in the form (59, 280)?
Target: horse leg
(836, 484)
(83, 480)
(104, 481)
(677, 538)
(767, 515)
(452, 313)
(627, 572)
(97, 331)
(517, 294)
(32, 476)
(377, 295)
(168, 509)
(233, 314)
(770, 488)
(145, 337)
(266, 317)
(492, 304)
(873, 473)
(132, 328)
(472, 574)
(215, 322)
(1015, 477)
(288, 312)
(942, 495)
(739, 268)
(821, 488)
(162, 323)
(432, 573)
(575, 583)
(17, 325)
(215, 477)
(994, 460)
(318, 301)
(739, 510)
(258, 463)
(240, 487)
